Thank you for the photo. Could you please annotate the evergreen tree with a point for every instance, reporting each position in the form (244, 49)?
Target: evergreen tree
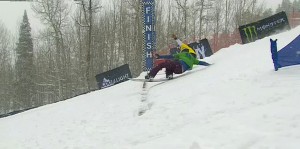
(24, 65)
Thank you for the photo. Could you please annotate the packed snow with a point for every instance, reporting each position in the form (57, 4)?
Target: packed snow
(239, 102)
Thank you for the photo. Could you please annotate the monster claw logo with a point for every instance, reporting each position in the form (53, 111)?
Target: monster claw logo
(250, 33)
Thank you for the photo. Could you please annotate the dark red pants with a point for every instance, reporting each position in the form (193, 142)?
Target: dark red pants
(170, 65)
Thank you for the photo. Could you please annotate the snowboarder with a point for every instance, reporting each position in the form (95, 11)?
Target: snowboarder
(177, 63)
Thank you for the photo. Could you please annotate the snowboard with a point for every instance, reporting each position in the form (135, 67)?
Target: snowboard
(174, 77)
(148, 80)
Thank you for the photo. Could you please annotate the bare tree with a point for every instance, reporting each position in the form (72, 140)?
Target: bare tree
(183, 5)
(6, 72)
(136, 35)
(54, 14)
(228, 13)
(201, 7)
(218, 16)
(88, 7)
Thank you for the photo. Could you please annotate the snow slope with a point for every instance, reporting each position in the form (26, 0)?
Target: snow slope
(238, 103)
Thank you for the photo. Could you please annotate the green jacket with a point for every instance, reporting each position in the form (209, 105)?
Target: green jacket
(187, 58)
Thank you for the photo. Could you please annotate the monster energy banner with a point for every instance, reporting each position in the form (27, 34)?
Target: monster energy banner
(263, 28)
(149, 32)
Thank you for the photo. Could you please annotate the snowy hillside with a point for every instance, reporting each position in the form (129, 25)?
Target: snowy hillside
(238, 103)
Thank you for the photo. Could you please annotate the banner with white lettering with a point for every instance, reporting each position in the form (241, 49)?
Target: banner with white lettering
(148, 7)
(263, 28)
(202, 48)
(113, 76)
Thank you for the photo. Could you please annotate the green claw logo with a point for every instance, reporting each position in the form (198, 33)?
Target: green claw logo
(250, 33)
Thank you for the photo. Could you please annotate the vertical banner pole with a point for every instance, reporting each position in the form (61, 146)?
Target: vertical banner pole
(149, 34)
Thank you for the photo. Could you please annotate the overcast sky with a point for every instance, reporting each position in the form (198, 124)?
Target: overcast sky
(11, 13)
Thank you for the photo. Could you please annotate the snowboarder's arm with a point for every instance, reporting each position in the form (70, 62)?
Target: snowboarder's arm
(197, 62)
(179, 42)
(182, 45)
(203, 63)
(164, 56)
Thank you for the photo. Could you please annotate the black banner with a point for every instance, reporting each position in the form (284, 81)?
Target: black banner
(113, 77)
(202, 48)
(263, 28)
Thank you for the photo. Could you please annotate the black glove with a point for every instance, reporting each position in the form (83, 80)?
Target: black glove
(174, 37)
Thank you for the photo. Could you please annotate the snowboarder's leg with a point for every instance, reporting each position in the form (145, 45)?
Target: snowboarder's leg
(170, 65)
(177, 67)
(169, 69)
(174, 67)
(160, 66)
